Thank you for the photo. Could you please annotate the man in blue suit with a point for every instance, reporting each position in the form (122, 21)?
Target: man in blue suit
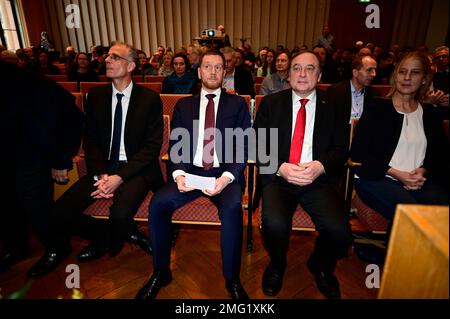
(213, 108)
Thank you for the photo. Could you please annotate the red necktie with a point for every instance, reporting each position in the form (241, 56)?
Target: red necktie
(208, 152)
(299, 133)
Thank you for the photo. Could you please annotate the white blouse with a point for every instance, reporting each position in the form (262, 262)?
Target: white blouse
(412, 144)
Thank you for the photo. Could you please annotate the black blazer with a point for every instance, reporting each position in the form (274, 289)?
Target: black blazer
(41, 124)
(330, 136)
(143, 133)
(340, 94)
(377, 135)
(243, 82)
(232, 113)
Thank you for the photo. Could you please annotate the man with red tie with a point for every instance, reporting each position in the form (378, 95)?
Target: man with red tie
(205, 118)
(312, 149)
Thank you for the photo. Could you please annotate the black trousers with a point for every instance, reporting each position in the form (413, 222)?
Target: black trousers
(26, 202)
(322, 203)
(68, 217)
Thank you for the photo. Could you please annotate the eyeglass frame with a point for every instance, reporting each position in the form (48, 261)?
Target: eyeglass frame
(116, 57)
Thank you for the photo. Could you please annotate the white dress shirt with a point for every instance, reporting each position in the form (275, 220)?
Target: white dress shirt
(198, 157)
(309, 127)
(125, 103)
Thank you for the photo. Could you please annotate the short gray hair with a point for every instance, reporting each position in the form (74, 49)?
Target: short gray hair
(132, 52)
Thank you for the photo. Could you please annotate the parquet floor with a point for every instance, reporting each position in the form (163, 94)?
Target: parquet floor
(196, 269)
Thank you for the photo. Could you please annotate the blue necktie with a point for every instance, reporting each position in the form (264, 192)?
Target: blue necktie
(115, 145)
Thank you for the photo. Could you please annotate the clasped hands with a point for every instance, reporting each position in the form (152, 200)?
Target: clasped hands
(221, 183)
(106, 186)
(413, 180)
(301, 174)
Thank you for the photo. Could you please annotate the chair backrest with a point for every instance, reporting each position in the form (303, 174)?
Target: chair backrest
(61, 67)
(78, 99)
(138, 78)
(165, 145)
(381, 90)
(69, 86)
(258, 79)
(169, 101)
(153, 78)
(103, 78)
(154, 86)
(58, 78)
(86, 86)
(258, 99)
(257, 88)
(323, 86)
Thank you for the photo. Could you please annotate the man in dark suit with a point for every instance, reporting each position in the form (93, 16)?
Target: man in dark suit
(312, 150)
(354, 94)
(40, 133)
(237, 80)
(122, 142)
(213, 108)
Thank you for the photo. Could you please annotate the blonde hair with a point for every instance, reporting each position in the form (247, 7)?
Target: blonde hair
(425, 69)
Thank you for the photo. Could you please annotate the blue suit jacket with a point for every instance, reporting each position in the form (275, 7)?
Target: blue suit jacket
(232, 113)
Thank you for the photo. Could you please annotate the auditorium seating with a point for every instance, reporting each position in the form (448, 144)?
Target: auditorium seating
(153, 78)
(154, 86)
(373, 220)
(78, 100)
(58, 78)
(69, 86)
(258, 79)
(257, 88)
(169, 101)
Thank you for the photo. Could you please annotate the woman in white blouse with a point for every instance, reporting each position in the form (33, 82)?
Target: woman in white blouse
(401, 144)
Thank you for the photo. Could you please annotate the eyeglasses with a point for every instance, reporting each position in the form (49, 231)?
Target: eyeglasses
(309, 69)
(443, 56)
(116, 57)
(209, 67)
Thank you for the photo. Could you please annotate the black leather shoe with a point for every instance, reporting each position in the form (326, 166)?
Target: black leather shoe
(235, 289)
(90, 252)
(9, 258)
(326, 282)
(159, 279)
(142, 241)
(48, 262)
(370, 253)
(272, 281)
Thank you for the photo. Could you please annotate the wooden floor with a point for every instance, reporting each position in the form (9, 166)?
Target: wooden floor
(196, 268)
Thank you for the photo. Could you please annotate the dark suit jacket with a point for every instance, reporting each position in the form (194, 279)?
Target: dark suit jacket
(41, 124)
(330, 136)
(143, 133)
(232, 113)
(243, 82)
(340, 94)
(377, 135)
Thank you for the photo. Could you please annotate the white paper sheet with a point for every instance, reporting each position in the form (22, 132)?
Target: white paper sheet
(200, 182)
